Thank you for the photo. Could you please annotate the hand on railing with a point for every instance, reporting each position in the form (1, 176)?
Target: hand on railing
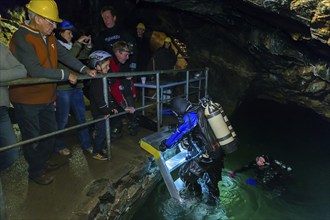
(72, 78)
(91, 73)
(130, 109)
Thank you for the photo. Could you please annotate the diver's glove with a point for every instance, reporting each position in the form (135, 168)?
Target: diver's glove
(162, 146)
(232, 175)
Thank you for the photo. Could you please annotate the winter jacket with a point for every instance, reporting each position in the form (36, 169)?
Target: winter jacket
(10, 69)
(121, 87)
(143, 53)
(40, 58)
(81, 52)
(97, 103)
(109, 36)
(163, 59)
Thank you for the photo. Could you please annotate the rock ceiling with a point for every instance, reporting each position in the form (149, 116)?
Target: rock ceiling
(272, 49)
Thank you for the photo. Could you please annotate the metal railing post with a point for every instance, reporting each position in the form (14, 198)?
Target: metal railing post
(158, 102)
(143, 98)
(187, 85)
(206, 81)
(107, 121)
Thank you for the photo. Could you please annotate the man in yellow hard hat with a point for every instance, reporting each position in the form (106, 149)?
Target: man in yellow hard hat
(36, 47)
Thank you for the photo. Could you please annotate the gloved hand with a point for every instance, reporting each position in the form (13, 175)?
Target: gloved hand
(232, 174)
(162, 147)
(251, 181)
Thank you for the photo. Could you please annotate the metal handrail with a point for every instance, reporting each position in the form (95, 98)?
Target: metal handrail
(29, 81)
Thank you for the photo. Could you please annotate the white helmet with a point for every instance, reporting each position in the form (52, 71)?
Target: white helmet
(97, 57)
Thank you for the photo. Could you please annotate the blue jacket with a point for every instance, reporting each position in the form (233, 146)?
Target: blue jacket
(190, 120)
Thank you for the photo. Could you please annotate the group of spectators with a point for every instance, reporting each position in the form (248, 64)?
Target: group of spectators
(34, 51)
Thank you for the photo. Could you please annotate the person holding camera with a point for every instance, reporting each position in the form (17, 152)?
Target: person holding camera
(70, 96)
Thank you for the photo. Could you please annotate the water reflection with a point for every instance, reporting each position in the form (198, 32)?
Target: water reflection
(295, 136)
(189, 208)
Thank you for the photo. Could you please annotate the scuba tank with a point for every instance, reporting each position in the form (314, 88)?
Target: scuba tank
(220, 126)
(233, 133)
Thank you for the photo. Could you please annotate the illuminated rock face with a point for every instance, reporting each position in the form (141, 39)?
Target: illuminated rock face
(270, 49)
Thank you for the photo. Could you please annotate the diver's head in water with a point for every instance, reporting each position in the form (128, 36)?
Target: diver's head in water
(262, 160)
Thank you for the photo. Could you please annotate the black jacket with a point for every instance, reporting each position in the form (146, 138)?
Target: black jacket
(273, 171)
(109, 36)
(164, 59)
(97, 103)
(143, 53)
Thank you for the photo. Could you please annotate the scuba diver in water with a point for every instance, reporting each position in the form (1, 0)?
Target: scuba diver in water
(271, 174)
(205, 157)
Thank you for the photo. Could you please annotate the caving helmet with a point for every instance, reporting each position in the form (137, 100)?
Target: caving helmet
(45, 8)
(2, 19)
(180, 105)
(66, 25)
(141, 26)
(97, 58)
(168, 40)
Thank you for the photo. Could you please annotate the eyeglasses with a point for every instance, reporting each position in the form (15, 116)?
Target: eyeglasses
(53, 23)
(124, 52)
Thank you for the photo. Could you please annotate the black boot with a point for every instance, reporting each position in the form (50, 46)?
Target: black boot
(212, 200)
(132, 128)
(116, 133)
(195, 189)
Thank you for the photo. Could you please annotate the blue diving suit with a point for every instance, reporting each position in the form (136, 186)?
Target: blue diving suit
(203, 161)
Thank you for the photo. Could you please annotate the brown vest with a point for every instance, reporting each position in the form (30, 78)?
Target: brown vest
(47, 55)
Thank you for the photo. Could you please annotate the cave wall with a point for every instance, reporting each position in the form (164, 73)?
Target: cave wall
(270, 49)
(277, 50)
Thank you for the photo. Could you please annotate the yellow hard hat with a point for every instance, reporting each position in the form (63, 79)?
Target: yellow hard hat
(168, 40)
(141, 26)
(45, 8)
(2, 19)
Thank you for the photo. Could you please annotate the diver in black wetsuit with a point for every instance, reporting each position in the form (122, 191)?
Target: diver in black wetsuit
(203, 160)
(270, 173)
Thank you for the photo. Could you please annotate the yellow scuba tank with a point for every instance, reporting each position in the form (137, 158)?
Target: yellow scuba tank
(221, 127)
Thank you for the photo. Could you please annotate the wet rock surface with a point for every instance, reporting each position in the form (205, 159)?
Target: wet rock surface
(269, 49)
(84, 188)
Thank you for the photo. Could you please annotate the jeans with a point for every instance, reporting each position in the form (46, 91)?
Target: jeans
(71, 99)
(34, 121)
(7, 137)
(100, 131)
(100, 135)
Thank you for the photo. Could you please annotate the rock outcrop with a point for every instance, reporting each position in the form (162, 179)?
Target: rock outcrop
(270, 49)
